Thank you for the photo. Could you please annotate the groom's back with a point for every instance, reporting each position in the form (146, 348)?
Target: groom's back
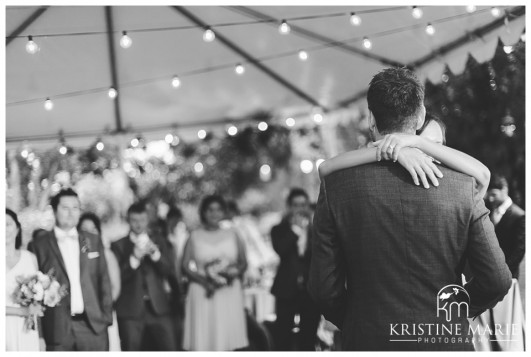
(402, 244)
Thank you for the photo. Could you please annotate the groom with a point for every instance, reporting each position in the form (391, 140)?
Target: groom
(386, 252)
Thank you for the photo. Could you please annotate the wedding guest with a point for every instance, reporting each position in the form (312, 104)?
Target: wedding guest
(80, 321)
(89, 222)
(177, 235)
(509, 226)
(18, 263)
(143, 307)
(214, 261)
(292, 241)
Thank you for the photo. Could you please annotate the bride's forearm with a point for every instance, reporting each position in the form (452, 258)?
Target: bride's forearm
(347, 159)
(458, 161)
(16, 311)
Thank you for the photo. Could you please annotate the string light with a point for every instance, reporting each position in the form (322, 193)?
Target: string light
(262, 126)
(303, 55)
(417, 12)
(168, 138)
(239, 69)
(100, 145)
(508, 49)
(24, 153)
(135, 142)
(306, 166)
(48, 104)
(198, 167)
(232, 130)
(471, 8)
(284, 28)
(201, 134)
(31, 46)
(175, 82)
(496, 12)
(355, 19)
(290, 122)
(265, 172)
(367, 43)
(318, 118)
(125, 41)
(63, 150)
(209, 35)
(430, 30)
(112, 93)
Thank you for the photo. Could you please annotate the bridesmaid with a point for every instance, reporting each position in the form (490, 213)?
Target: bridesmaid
(18, 263)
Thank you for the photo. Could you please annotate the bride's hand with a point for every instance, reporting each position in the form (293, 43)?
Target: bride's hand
(420, 165)
(389, 147)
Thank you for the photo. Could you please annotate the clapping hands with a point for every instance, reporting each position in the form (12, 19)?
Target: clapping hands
(145, 246)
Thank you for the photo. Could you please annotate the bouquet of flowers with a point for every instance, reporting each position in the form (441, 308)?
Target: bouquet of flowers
(37, 292)
(220, 273)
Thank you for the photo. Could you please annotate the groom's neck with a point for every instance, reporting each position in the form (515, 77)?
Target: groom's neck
(379, 136)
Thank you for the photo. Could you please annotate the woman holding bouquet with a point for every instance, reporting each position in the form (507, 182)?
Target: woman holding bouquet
(19, 263)
(214, 261)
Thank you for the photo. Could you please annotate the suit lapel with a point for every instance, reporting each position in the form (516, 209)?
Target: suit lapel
(52, 240)
(83, 258)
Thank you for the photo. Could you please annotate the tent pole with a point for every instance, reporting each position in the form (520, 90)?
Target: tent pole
(25, 24)
(114, 73)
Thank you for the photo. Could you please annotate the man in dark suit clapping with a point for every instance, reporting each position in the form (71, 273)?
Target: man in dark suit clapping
(143, 308)
(291, 240)
(80, 321)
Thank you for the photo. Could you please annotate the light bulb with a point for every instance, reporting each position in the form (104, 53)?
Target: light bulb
(306, 166)
(355, 19)
(303, 55)
(175, 82)
(135, 142)
(508, 49)
(125, 41)
(168, 138)
(232, 130)
(417, 12)
(48, 104)
(290, 122)
(198, 167)
(367, 43)
(430, 30)
(63, 150)
(496, 12)
(112, 93)
(201, 134)
(262, 126)
(100, 146)
(471, 8)
(284, 28)
(209, 35)
(318, 117)
(31, 46)
(239, 69)
(265, 172)
(24, 153)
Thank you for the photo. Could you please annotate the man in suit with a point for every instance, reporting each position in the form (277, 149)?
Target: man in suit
(509, 222)
(386, 252)
(77, 259)
(143, 308)
(291, 240)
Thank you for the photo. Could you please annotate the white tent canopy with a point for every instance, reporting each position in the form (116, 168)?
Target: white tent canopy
(80, 58)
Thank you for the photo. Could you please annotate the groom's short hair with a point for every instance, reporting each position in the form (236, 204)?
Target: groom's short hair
(395, 98)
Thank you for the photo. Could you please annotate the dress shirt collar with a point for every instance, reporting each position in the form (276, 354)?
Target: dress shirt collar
(61, 234)
(501, 209)
(135, 238)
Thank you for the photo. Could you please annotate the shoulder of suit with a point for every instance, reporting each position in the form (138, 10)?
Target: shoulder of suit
(517, 210)
(42, 235)
(120, 241)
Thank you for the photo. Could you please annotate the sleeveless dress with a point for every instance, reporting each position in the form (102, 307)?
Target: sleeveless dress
(16, 338)
(216, 323)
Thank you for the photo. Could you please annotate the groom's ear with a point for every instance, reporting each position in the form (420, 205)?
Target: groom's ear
(421, 117)
(372, 122)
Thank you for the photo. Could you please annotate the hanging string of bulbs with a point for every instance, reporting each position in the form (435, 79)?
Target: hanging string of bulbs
(284, 28)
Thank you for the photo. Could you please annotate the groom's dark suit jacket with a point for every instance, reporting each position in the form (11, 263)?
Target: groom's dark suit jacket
(383, 248)
(95, 286)
(511, 235)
